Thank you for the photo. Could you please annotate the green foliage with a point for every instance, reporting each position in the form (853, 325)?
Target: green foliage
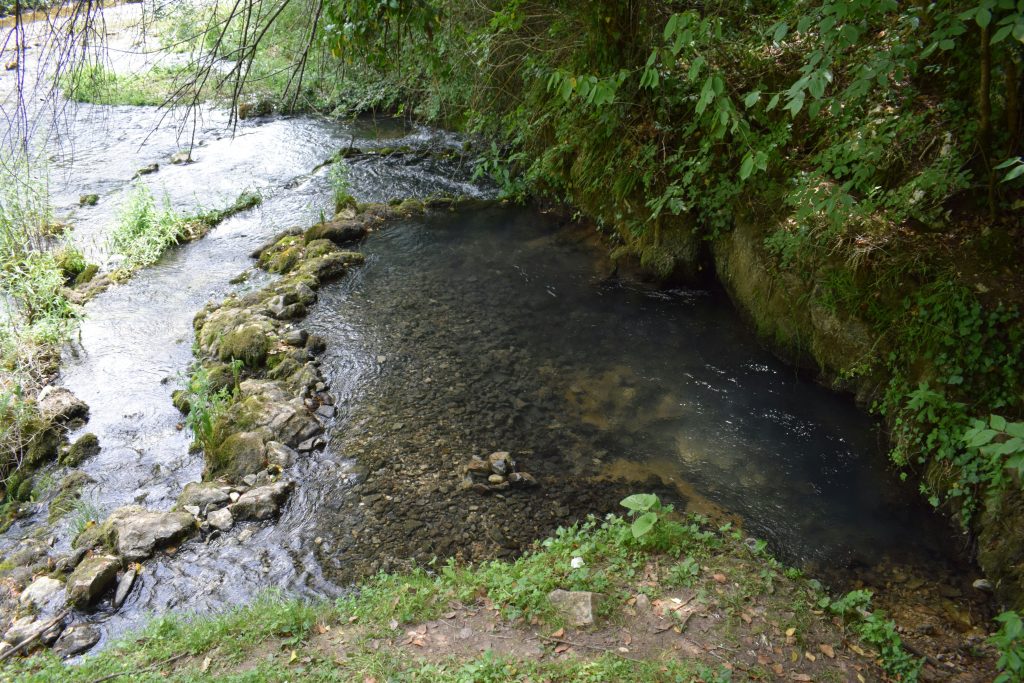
(647, 511)
(877, 631)
(341, 186)
(207, 404)
(1009, 641)
(95, 83)
(144, 232)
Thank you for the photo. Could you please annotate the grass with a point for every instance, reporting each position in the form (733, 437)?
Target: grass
(96, 84)
(276, 639)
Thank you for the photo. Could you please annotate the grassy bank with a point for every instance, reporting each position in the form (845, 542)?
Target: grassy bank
(680, 601)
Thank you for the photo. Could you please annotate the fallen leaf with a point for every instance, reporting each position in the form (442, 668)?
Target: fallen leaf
(790, 632)
(294, 656)
(858, 649)
(559, 633)
(746, 617)
(561, 648)
(777, 668)
(627, 639)
(861, 678)
(450, 615)
(720, 578)
(810, 657)
(800, 677)
(623, 649)
(352, 619)
(206, 665)
(827, 650)
(762, 660)
(794, 656)
(369, 679)
(322, 628)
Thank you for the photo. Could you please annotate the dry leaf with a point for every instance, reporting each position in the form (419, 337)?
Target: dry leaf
(746, 617)
(810, 657)
(777, 668)
(827, 650)
(352, 619)
(450, 615)
(861, 678)
(794, 656)
(206, 665)
(559, 633)
(858, 649)
(294, 656)
(801, 677)
(561, 648)
(720, 578)
(790, 632)
(322, 628)
(762, 660)
(369, 679)
(627, 639)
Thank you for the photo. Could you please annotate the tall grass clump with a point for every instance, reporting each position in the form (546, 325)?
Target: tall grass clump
(144, 230)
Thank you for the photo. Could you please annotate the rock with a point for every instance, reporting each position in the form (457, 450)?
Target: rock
(182, 157)
(88, 200)
(578, 607)
(91, 578)
(326, 411)
(234, 495)
(221, 519)
(124, 586)
(316, 344)
(340, 232)
(76, 640)
(41, 592)
(86, 446)
(280, 309)
(523, 479)
(59, 406)
(50, 635)
(204, 495)
(501, 463)
(312, 444)
(296, 338)
(137, 533)
(68, 563)
(249, 480)
(983, 585)
(146, 170)
(263, 502)
(478, 466)
(191, 509)
(495, 479)
(23, 628)
(280, 455)
(239, 455)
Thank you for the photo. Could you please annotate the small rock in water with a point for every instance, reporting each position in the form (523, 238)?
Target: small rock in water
(263, 502)
(146, 170)
(21, 629)
(522, 479)
(501, 463)
(182, 157)
(280, 455)
(221, 519)
(76, 640)
(91, 578)
(983, 585)
(124, 586)
(296, 338)
(41, 592)
(382, 359)
(88, 200)
(245, 534)
(326, 411)
(495, 479)
(313, 444)
(249, 479)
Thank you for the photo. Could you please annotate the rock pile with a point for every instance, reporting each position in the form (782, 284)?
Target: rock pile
(497, 472)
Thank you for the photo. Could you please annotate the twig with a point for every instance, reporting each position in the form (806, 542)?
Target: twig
(592, 647)
(28, 641)
(132, 672)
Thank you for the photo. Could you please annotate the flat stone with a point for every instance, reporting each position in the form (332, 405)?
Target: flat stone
(578, 607)
(124, 587)
(205, 495)
(221, 519)
(501, 463)
(326, 411)
(296, 338)
(191, 509)
(523, 479)
(182, 157)
(68, 563)
(76, 640)
(339, 232)
(41, 592)
(280, 455)
(139, 532)
(314, 444)
(23, 628)
(263, 502)
(91, 578)
(495, 479)
(234, 495)
(146, 170)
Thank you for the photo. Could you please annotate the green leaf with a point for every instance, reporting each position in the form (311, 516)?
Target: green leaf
(747, 166)
(643, 524)
(796, 104)
(752, 97)
(780, 32)
(639, 502)
(1015, 429)
(773, 102)
(1015, 172)
(998, 422)
(982, 437)
(1001, 34)
(983, 17)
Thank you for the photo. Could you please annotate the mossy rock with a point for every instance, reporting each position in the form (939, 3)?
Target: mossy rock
(86, 446)
(284, 367)
(87, 274)
(231, 334)
(68, 494)
(94, 535)
(320, 247)
(70, 261)
(88, 199)
(238, 455)
(220, 376)
(180, 399)
(43, 446)
(282, 256)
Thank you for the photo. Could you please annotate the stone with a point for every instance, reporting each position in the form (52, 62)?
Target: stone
(523, 479)
(313, 444)
(59, 406)
(41, 592)
(86, 446)
(983, 585)
(279, 307)
(316, 344)
(91, 578)
(478, 466)
(182, 157)
(240, 454)
(146, 170)
(191, 509)
(326, 411)
(25, 627)
(263, 502)
(296, 338)
(137, 533)
(249, 480)
(578, 607)
(205, 495)
(340, 232)
(68, 563)
(221, 519)
(76, 640)
(280, 455)
(88, 199)
(495, 479)
(501, 463)
(234, 495)
(124, 587)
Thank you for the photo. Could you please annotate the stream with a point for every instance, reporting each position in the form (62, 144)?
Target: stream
(484, 329)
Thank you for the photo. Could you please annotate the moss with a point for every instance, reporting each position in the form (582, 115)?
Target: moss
(68, 494)
(87, 274)
(282, 256)
(179, 397)
(248, 343)
(238, 455)
(43, 446)
(86, 446)
(320, 247)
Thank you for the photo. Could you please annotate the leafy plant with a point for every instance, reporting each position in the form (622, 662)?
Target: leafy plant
(145, 231)
(206, 404)
(1009, 641)
(341, 185)
(877, 631)
(646, 510)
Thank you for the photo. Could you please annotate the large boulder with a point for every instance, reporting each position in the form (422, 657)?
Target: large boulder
(91, 578)
(262, 502)
(137, 533)
(340, 232)
(238, 455)
(41, 593)
(76, 640)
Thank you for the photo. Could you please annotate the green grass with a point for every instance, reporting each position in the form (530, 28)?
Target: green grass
(95, 84)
